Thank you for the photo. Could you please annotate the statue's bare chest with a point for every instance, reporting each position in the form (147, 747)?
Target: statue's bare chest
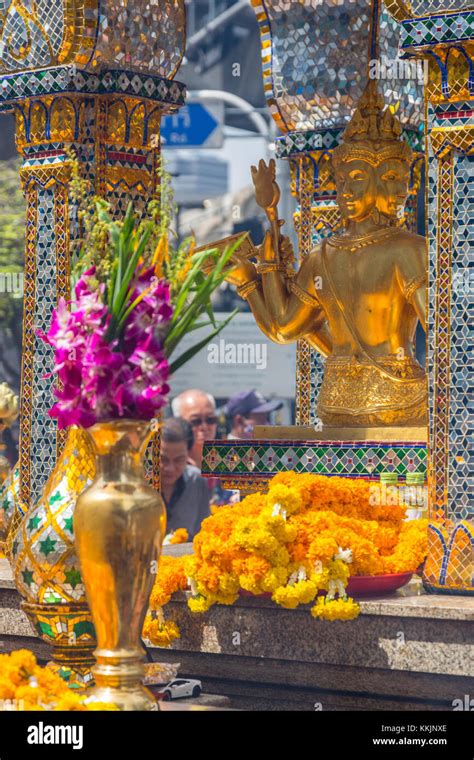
(363, 278)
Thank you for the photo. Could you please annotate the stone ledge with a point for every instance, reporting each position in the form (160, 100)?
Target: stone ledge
(389, 641)
(286, 660)
(407, 651)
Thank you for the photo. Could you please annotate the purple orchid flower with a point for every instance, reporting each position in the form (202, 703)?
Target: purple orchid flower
(106, 379)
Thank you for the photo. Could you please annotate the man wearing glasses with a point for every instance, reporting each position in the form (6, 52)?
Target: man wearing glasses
(199, 409)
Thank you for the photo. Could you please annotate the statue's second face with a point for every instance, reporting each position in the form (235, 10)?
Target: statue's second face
(356, 189)
(392, 187)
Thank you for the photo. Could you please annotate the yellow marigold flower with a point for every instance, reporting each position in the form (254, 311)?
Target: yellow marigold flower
(179, 536)
(7, 688)
(199, 603)
(287, 498)
(290, 597)
(24, 660)
(286, 596)
(225, 599)
(228, 584)
(276, 577)
(171, 577)
(336, 609)
(70, 701)
(161, 633)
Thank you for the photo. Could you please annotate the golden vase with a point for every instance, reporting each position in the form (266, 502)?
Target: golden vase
(119, 526)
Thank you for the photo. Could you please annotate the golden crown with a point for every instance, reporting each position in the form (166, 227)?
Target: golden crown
(373, 134)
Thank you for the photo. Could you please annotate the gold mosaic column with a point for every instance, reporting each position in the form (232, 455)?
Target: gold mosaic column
(97, 84)
(442, 34)
(305, 244)
(93, 82)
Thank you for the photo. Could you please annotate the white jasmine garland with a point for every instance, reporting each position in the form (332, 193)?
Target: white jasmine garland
(332, 590)
(341, 589)
(344, 554)
(293, 578)
(277, 511)
(301, 574)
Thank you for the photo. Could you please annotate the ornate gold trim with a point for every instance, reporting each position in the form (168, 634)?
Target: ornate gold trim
(247, 288)
(28, 344)
(411, 288)
(302, 295)
(439, 444)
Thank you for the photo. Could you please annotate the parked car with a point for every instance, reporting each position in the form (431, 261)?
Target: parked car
(180, 687)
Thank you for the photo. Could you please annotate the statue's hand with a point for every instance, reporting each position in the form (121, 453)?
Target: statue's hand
(266, 252)
(242, 270)
(287, 253)
(267, 192)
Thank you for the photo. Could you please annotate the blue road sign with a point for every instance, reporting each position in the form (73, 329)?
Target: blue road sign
(194, 126)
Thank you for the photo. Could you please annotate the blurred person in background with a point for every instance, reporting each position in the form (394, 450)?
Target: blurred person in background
(184, 490)
(247, 409)
(199, 409)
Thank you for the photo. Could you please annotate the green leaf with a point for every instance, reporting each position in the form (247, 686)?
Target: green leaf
(122, 293)
(174, 366)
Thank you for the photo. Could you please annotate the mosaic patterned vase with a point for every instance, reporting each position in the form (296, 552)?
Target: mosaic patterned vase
(119, 523)
(46, 568)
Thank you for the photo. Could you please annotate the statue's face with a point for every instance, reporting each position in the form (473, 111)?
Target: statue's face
(356, 189)
(392, 187)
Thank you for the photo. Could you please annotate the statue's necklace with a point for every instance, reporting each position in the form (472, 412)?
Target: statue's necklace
(354, 244)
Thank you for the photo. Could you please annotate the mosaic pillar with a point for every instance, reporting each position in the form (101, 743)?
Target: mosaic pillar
(446, 40)
(90, 82)
(315, 57)
(95, 83)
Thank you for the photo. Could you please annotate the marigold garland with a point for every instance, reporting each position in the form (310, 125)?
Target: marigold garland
(178, 536)
(24, 685)
(171, 577)
(304, 538)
